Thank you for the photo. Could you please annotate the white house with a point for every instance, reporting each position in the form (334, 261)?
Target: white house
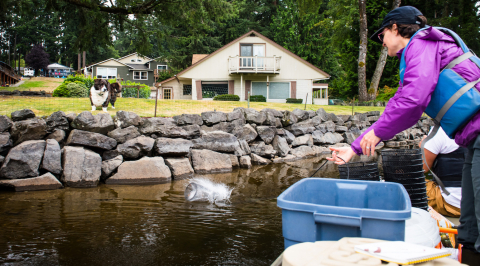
(250, 64)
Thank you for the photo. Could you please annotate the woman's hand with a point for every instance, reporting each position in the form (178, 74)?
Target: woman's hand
(368, 143)
(346, 153)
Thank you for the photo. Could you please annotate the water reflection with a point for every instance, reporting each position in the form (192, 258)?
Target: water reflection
(152, 225)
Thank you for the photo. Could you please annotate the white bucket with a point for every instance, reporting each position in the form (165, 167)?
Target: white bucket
(422, 229)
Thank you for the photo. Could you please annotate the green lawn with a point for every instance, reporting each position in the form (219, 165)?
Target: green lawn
(32, 84)
(146, 107)
(37, 84)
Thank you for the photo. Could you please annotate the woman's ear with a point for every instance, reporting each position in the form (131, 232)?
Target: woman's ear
(395, 28)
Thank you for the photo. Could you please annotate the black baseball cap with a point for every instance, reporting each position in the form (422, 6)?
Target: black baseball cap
(401, 15)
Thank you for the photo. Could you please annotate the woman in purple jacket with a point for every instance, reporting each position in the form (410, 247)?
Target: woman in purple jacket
(427, 54)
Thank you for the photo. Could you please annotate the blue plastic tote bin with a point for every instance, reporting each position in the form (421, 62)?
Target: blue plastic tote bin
(315, 209)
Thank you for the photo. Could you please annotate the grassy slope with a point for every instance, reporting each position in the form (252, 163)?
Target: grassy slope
(145, 107)
(38, 84)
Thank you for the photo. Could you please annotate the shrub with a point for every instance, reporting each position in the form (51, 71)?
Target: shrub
(61, 91)
(226, 97)
(208, 94)
(293, 100)
(385, 93)
(258, 98)
(81, 78)
(77, 90)
(132, 92)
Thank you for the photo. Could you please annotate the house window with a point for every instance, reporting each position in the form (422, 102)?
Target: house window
(259, 88)
(252, 50)
(133, 60)
(279, 90)
(142, 75)
(139, 60)
(187, 89)
(106, 73)
(162, 67)
(211, 89)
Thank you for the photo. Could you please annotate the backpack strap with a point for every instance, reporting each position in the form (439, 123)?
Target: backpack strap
(430, 136)
(459, 59)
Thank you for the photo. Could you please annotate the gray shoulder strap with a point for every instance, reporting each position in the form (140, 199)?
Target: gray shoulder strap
(430, 136)
(459, 59)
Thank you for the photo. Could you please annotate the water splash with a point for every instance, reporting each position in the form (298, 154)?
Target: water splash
(202, 189)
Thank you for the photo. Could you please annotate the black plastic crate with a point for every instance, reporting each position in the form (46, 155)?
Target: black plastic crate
(359, 171)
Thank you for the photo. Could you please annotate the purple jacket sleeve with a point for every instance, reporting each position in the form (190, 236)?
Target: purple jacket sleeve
(406, 107)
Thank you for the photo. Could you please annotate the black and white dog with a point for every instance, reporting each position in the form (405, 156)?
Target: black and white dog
(102, 93)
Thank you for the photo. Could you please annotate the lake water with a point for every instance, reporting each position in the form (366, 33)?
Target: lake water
(152, 225)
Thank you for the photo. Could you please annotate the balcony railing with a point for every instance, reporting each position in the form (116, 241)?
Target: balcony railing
(7, 70)
(254, 64)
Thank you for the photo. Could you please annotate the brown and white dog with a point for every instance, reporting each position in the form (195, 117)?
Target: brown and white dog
(102, 93)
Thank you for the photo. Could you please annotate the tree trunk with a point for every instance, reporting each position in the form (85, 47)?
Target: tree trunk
(79, 61)
(382, 60)
(15, 54)
(362, 56)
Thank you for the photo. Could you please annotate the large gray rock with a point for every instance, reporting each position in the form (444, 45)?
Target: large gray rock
(281, 146)
(5, 123)
(242, 149)
(180, 167)
(1, 160)
(43, 182)
(322, 114)
(213, 117)
(172, 147)
(275, 113)
(216, 141)
(228, 127)
(57, 120)
(301, 128)
(316, 121)
(235, 115)
(318, 137)
(121, 135)
(322, 128)
(266, 133)
(259, 148)
(5, 142)
(234, 160)
(255, 117)
(259, 160)
(289, 136)
(188, 119)
(327, 138)
(154, 124)
(303, 140)
(148, 170)
(247, 133)
(289, 119)
(22, 115)
(341, 129)
(270, 119)
(58, 135)
(52, 157)
(245, 162)
(332, 117)
(301, 114)
(23, 160)
(125, 119)
(101, 123)
(91, 139)
(31, 129)
(109, 166)
(311, 113)
(81, 167)
(373, 113)
(206, 161)
(360, 116)
(187, 132)
(303, 152)
(345, 118)
(372, 119)
(137, 147)
(108, 155)
(330, 126)
(321, 150)
(71, 117)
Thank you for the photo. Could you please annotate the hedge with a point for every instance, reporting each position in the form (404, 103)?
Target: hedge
(75, 89)
(258, 98)
(293, 100)
(226, 97)
(132, 92)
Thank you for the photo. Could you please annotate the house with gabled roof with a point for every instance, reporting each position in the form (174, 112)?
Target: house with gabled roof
(133, 67)
(250, 65)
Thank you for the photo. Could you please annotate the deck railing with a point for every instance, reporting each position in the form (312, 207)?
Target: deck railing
(254, 64)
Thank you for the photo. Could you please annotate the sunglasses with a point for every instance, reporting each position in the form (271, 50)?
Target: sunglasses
(380, 37)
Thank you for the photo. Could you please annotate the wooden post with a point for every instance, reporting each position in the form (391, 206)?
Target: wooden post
(84, 55)
(156, 99)
(79, 61)
(138, 92)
